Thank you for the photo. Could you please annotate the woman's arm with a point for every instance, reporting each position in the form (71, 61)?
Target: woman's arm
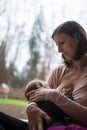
(77, 109)
(74, 109)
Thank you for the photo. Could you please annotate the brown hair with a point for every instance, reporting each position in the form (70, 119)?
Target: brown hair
(73, 28)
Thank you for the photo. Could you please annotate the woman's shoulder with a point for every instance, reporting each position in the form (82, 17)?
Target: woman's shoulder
(58, 72)
(60, 68)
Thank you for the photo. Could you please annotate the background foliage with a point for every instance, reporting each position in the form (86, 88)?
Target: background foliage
(33, 48)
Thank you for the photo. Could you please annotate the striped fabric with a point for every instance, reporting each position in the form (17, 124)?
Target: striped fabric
(77, 109)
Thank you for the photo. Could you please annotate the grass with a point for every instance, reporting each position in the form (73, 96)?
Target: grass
(13, 102)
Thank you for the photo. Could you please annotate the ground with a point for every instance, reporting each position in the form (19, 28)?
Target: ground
(16, 111)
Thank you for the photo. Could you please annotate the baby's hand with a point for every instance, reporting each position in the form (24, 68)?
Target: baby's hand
(67, 91)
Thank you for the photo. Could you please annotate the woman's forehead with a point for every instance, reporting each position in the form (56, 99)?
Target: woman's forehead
(60, 36)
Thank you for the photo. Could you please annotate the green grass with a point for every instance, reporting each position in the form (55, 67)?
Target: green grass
(13, 102)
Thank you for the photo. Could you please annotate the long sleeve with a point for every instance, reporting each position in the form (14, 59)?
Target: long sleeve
(76, 109)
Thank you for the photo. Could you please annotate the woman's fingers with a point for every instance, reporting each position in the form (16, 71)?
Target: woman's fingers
(47, 119)
(32, 127)
(40, 125)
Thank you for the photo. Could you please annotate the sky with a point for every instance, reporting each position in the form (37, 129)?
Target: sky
(25, 11)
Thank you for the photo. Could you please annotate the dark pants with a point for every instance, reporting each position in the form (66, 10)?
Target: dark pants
(58, 118)
(1, 127)
(11, 123)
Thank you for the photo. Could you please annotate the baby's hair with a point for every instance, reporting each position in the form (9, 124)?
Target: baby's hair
(32, 85)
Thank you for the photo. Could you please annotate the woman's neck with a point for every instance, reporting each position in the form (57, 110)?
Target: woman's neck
(80, 64)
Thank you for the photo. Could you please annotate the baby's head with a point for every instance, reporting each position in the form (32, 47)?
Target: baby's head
(32, 85)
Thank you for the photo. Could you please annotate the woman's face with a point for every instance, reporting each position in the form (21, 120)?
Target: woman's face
(66, 44)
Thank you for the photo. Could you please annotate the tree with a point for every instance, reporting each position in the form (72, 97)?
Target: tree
(35, 46)
(3, 70)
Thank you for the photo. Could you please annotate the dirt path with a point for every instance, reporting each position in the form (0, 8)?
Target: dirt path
(16, 111)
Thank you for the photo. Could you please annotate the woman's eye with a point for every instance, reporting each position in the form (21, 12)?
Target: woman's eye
(61, 43)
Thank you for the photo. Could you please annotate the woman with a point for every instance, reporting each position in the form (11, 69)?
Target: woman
(70, 78)
(71, 40)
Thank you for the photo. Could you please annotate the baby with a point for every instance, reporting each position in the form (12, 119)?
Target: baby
(33, 84)
(49, 107)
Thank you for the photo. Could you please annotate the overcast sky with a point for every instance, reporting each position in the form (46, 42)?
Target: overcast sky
(55, 12)
(26, 10)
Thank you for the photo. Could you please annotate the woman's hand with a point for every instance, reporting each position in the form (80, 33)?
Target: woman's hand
(35, 117)
(43, 94)
(34, 85)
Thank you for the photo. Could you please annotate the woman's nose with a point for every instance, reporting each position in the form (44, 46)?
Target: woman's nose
(60, 49)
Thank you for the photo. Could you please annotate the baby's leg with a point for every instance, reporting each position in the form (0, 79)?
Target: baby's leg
(57, 115)
(51, 109)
